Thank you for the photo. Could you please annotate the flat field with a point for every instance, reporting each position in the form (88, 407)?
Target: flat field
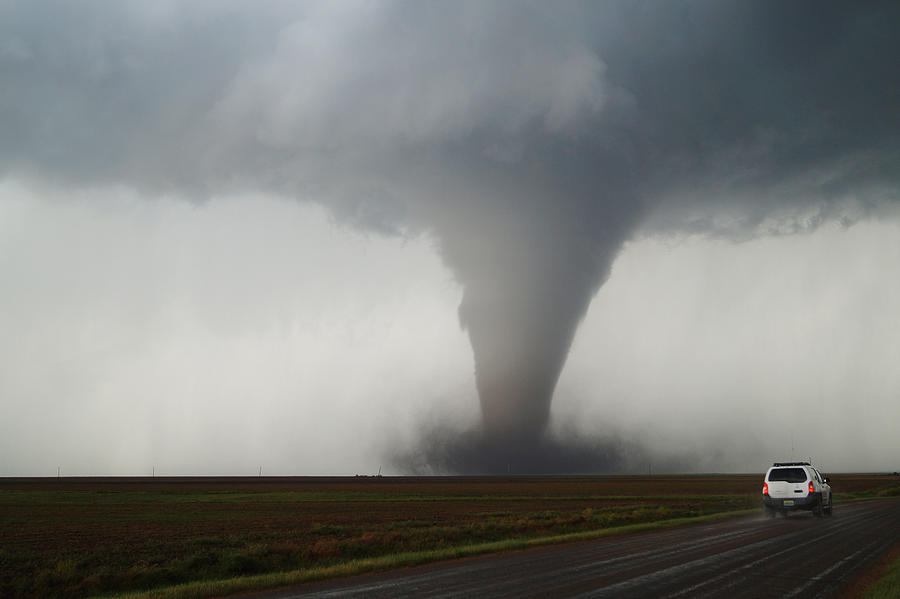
(75, 537)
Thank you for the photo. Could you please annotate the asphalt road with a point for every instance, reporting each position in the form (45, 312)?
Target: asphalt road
(798, 556)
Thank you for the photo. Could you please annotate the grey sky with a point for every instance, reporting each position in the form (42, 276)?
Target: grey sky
(494, 157)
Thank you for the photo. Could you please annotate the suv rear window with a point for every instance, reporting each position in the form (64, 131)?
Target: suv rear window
(788, 475)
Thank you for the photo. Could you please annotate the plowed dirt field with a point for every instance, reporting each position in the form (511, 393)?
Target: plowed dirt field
(81, 536)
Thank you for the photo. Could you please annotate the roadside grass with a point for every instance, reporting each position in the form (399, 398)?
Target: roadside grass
(879, 493)
(888, 586)
(214, 588)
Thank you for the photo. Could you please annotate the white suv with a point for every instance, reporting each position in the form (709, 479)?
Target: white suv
(795, 486)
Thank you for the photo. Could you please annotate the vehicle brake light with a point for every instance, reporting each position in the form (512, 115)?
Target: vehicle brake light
(765, 488)
(811, 488)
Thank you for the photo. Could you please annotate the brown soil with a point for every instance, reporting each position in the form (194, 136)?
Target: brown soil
(74, 536)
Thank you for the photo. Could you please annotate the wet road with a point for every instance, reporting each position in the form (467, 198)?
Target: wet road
(798, 556)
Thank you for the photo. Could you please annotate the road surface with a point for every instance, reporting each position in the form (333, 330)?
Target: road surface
(798, 556)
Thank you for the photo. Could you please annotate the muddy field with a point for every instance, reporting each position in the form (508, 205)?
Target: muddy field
(81, 536)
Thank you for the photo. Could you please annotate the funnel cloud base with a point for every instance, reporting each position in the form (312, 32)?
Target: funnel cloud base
(446, 451)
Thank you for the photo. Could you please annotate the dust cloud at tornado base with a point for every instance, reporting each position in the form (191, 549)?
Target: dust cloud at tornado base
(530, 141)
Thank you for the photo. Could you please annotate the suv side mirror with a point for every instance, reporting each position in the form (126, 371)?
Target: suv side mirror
(825, 479)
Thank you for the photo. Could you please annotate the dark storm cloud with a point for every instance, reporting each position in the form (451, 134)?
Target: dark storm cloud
(530, 139)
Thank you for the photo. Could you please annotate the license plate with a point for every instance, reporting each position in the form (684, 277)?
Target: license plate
(788, 502)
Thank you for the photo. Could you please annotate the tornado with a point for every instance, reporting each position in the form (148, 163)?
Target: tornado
(530, 141)
(526, 287)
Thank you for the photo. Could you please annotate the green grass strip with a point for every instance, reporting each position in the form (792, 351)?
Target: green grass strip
(888, 587)
(218, 588)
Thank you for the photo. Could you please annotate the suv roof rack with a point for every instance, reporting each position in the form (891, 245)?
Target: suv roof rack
(791, 464)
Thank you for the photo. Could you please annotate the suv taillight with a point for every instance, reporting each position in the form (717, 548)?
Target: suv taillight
(765, 488)
(812, 489)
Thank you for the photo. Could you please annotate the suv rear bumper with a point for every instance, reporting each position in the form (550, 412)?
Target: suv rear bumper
(801, 502)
